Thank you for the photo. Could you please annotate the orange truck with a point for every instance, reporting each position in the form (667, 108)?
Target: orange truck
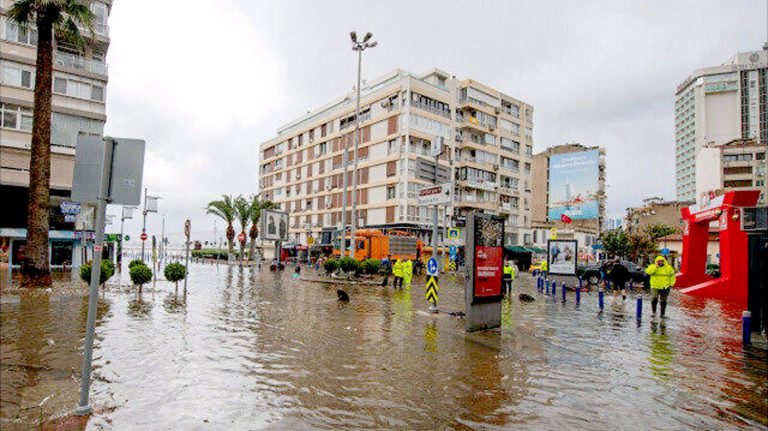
(373, 244)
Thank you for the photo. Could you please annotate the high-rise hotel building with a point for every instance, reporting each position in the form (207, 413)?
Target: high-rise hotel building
(488, 137)
(716, 105)
(78, 108)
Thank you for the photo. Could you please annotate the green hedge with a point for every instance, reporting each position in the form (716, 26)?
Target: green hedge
(175, 272)
(371, 266)
(136, 262)
(331, 265)
(140, 275)
(107, 271)
(212, 253)
(349, 264)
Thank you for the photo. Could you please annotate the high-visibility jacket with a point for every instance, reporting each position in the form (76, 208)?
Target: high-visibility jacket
(509, 271)
(662, 277)
(397, 268)
(408, 269)
(544, 265)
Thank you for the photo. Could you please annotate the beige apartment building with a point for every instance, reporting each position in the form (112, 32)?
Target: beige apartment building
(488, 140)
(78, 107)
(655, 211)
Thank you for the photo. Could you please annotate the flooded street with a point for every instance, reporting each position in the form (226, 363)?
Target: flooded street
(252, 350)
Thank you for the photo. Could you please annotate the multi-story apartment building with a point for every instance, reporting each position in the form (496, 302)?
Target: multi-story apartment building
(655, 211)
(78, 107)
(715, 105)
(737, 165)
(489, 144)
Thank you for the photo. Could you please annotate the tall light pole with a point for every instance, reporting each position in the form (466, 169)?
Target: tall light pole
(358, 46)
(150, 206)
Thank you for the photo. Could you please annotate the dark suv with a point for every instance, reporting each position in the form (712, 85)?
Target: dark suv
(591, 273)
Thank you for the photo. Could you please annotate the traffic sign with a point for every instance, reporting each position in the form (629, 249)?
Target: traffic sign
(665, 251)
(432, 289)
(187, 228)
(452, 250)
(432, 266)
(127, 237)
(453, 233)
(143, 236)
(435, 195)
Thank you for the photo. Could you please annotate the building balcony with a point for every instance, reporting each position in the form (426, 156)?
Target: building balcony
(478, 184)
(77, 62)
(473, 123)
(509, 191)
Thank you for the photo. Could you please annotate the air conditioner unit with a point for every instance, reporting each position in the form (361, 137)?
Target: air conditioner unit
(329, 187)
(497, 110)
(385, 104)
(491, 128)
(495, 166)
(298, 176)
(328, 204)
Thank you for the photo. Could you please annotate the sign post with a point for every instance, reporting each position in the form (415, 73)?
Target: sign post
(485, 242)
(107, 170)
(432, 287)
(187, 232)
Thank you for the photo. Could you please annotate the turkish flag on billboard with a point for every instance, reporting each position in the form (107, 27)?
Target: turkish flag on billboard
(565, 219)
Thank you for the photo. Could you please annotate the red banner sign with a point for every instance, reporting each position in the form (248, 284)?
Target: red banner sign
(488, 261)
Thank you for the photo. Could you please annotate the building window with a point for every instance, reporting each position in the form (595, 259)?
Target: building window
(78, 88)
(391, 192)
(13, 32)
(15, 117)
(17, 75)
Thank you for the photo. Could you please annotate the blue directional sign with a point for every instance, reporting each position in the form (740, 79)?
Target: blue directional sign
(452, 251)
(432, 267)
(665, 251)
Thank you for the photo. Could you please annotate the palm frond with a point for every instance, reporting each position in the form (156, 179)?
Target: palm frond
(23, 12)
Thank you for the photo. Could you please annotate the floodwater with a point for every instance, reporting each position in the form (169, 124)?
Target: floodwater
(251, 350)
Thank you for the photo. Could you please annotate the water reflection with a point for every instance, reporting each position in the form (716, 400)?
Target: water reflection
(250, 349)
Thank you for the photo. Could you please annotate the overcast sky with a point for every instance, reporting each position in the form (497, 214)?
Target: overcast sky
(205, 82)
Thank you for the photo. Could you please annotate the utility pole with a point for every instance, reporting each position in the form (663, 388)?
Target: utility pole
(144, 225)
(359, 47)
(435, 227)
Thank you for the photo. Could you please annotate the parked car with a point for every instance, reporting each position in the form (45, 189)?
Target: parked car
(591, 273)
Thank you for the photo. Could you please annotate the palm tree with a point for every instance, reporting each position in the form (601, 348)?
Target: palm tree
(243, 213)
(225, 209)
(63, 17)
(257, 206)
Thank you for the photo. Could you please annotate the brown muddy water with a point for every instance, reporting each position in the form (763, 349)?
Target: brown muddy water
(250, 350)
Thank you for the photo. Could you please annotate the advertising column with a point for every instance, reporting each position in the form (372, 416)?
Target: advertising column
(485, 252)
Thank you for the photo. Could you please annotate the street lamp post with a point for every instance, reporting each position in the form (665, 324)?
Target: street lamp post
(152, 200)
(358, 46)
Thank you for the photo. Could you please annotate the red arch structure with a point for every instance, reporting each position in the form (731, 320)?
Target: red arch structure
(733, 281)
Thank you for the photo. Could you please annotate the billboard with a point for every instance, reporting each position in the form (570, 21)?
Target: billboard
(274, 225)
(574, 182)
(561, 256)
(488, 257)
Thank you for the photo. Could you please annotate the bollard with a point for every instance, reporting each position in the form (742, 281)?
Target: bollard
(563, 291)
(546, 283)
(746, 331)
(639, 306)
(600, 299)
(554, 289)
(538, 284)
(578, 294)
(581, 282)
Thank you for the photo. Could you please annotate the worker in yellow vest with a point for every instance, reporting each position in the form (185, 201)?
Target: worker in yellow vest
(508, 277)
(407, 273)
(397, 271)
(544, 268)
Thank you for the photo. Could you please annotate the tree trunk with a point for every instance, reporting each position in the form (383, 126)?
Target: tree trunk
(35, 268)
(231, 239)
(242, 247)
(253, 234)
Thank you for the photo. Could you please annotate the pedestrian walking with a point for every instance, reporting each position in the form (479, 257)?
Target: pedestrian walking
(386, 268)
(619, 276)
(407, 273)
(662, 280)
(397, 270)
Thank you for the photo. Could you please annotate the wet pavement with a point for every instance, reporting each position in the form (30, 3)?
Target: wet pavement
(250, 350)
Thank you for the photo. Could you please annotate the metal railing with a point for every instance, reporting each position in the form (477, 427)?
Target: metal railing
(75, 61)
